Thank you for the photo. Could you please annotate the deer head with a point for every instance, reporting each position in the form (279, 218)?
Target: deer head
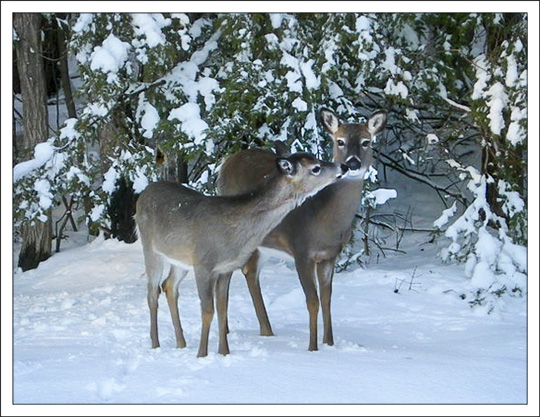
(352, 141)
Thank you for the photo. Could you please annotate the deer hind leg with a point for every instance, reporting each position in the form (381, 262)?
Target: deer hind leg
(252, 271)
(306, 274)
(170, 287)
(154, 270)
(205, 286)
(325, 274)
(222, 301)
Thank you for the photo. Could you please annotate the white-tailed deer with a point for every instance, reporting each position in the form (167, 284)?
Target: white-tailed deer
(181, 229)
(315, 233)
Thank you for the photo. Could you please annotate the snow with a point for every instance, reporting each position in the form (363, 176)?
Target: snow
(482, 77)
(518, 254)
(192, 124)
(513, 203)
(81, 336)
(140, 182)
(432, 138)
(445, 217)
(496, 105)
(84, 20)
(206, 87)
(483, 276)
(149, 26)
(363, 24)
(97, 212)
(293, 81)
(396, 89)
(184, 75)
(312, 81)
(389, 62)
(110, 57)
(76, 172)
(43, 153)
(149, 120)
(511, 71)
(516, 134)
(96, 109)
(382, 195)
(109, 180)
(276, 19)
(43, 189)
(299, 104)
(68, 131)
(272, 40)
(412, 115)
(334, 90)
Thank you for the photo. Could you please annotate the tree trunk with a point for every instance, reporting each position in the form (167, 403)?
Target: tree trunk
(36, 238)
(36, 245)
(64, 72)
(172, 167)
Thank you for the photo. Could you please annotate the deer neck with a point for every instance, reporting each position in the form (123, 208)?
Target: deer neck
(257, 212)
(269, 205)
(344, 198)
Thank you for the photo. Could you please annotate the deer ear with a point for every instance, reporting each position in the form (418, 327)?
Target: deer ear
(329, 120)
(285, 166)
(281, 148)
(377, 122)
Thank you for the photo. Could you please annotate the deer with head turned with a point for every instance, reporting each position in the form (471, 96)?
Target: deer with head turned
(315, 233)
(181, 229)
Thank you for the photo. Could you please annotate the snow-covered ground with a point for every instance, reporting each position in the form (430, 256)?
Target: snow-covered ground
(81, 335)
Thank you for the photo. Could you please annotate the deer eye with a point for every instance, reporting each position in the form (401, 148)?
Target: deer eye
(365, 143)
(341, 143)
(316, 170)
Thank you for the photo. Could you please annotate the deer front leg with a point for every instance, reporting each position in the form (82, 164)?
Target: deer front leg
(154, 270)
(170, 287)
(251, 271)
(325, 274)
(153, 295)
(222, 297)
(306, 274)
(205, 286)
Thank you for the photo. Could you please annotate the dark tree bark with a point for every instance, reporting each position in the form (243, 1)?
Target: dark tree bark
(64, 71)
(50, 53)
(172, 167)
(36, 238)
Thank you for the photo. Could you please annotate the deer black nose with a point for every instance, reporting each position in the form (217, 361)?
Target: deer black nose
(354, 163)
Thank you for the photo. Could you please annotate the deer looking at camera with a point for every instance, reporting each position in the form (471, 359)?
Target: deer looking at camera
(315, 233)
(181, 229)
